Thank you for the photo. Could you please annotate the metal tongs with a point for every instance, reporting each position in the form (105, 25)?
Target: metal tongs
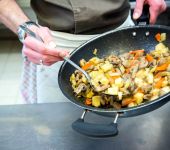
(32, 34)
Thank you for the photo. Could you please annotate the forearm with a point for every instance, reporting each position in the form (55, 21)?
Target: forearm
(11, 15)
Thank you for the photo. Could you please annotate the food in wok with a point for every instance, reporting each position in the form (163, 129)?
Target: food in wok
(127, 80)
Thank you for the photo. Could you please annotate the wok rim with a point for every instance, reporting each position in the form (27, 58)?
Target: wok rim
(112, 110)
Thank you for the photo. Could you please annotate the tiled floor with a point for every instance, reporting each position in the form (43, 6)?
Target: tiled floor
(10, 71)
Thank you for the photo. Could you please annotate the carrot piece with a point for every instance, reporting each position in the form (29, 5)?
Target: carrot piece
(140, 90)
(158, 37)
(136, 56)
(87, 65)
(88, 101)
(127, 101)
(159, 83)
(132, 63)
(149, 58)
(162, 67)
(112, 79)
(113, 70)
(115, 77)
(127, 70)
(137, 51)
(158, 75)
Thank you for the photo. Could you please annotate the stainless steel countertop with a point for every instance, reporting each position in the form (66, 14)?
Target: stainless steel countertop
(48, 127)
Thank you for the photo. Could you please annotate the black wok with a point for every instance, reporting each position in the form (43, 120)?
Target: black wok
(116, 42)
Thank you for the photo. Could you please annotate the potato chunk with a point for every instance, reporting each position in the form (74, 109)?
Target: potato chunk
(106, 67)
(96, 101)
(138, 97)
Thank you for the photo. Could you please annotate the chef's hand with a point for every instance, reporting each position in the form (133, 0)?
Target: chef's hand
(155, 8)
(39, 52)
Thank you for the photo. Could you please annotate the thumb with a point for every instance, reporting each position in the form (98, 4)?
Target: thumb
(64, 54)
(138, 9)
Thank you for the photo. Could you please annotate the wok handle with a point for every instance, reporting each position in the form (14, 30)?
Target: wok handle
(144, 18)
(96, 130)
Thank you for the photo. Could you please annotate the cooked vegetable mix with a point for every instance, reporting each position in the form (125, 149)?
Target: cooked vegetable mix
(127, 80)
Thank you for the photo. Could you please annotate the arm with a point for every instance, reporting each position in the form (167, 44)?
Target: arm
(156, 8)
(12, 16)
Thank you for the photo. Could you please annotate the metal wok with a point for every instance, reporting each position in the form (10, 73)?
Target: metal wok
(115, 42)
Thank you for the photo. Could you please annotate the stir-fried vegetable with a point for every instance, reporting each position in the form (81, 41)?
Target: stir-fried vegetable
(127, 80)
(160, 37)
(87, 65)
(149, 58)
